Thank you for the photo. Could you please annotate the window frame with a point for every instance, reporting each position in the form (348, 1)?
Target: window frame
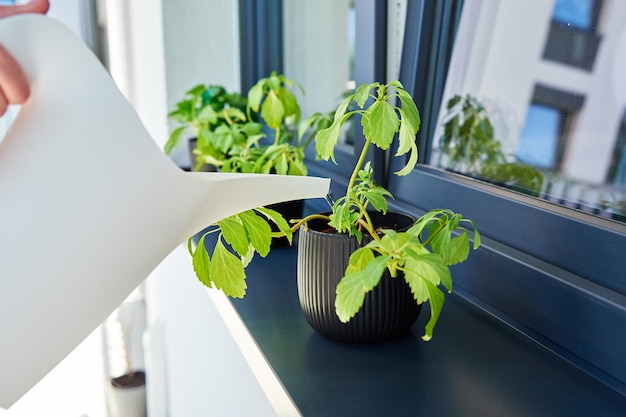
(567, 302)
(554, 281)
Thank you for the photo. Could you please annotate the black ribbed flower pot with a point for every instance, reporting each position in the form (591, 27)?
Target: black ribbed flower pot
(389, 309)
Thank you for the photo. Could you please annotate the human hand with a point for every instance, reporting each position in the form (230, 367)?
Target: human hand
(14, 88)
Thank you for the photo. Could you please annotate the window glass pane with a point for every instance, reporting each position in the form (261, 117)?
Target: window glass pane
(574, 12)
(553, 128)
(319, 39)
(539, 137)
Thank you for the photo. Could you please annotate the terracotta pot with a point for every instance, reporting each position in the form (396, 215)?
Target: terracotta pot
(389, 309)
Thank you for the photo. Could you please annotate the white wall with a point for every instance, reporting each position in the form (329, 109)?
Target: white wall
(194, 367)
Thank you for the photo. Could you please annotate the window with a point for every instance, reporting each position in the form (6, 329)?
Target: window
(577, 13)
(573, 39)
(538, 143)
(553, 271)
(544, 260)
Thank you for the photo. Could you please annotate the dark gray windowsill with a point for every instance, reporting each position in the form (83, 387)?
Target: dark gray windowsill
(474, 366)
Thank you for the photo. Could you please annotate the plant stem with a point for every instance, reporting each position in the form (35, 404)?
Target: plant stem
(309, 139)
(277, 136)
(359, 165)
(367, 224)
(307, 219)
(227, 117)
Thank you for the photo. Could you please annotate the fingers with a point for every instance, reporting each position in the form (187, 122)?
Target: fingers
(3, 104)
(34, 6)
(14, 88)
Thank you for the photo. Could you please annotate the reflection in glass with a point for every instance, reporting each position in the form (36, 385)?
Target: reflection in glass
(539, 137)
(468, 145)
(551, 77)
(574, 12)
(318, 50)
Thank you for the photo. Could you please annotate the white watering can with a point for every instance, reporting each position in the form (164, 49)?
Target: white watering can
(89, 205)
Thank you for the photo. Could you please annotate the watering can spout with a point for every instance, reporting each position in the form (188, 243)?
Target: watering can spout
(88, 203)
(234, 193)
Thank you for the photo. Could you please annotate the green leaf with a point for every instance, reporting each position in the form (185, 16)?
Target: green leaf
(343, 108)
(258, 230)
(452, 250)
(255, 95)
(201, 263)
(174, 138)
(410, 163)
(274, 80)
(227, 272)
(435, 299)
(342, 217)
(326, 140)
(380, 124)
(196, 91)
(290, 104)
(235, 114)
(425, 266)
(459, 249)
(235, 234)
(297, 167)
(272, 110)
(359, 260)
(405, 139)
(394, 241)
(377, 197)
(352, 288)
(251, 128)
(410, 114)
(208, 115)
(306, 124)
(423, 222)
(362, 93)
(278, 219)
(477, 240)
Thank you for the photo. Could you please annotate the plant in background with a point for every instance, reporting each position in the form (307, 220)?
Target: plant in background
(272, 100)
(468, 145)
(242, 236)
(210, 112)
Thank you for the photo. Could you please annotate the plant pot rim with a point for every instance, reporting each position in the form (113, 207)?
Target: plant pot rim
(125, 382)
(319, 226)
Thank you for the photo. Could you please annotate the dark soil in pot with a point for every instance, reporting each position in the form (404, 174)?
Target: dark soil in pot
(389, 310)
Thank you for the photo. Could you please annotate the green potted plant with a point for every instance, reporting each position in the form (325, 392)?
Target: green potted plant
(374, 252)
(468, 145)
(417, 257)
